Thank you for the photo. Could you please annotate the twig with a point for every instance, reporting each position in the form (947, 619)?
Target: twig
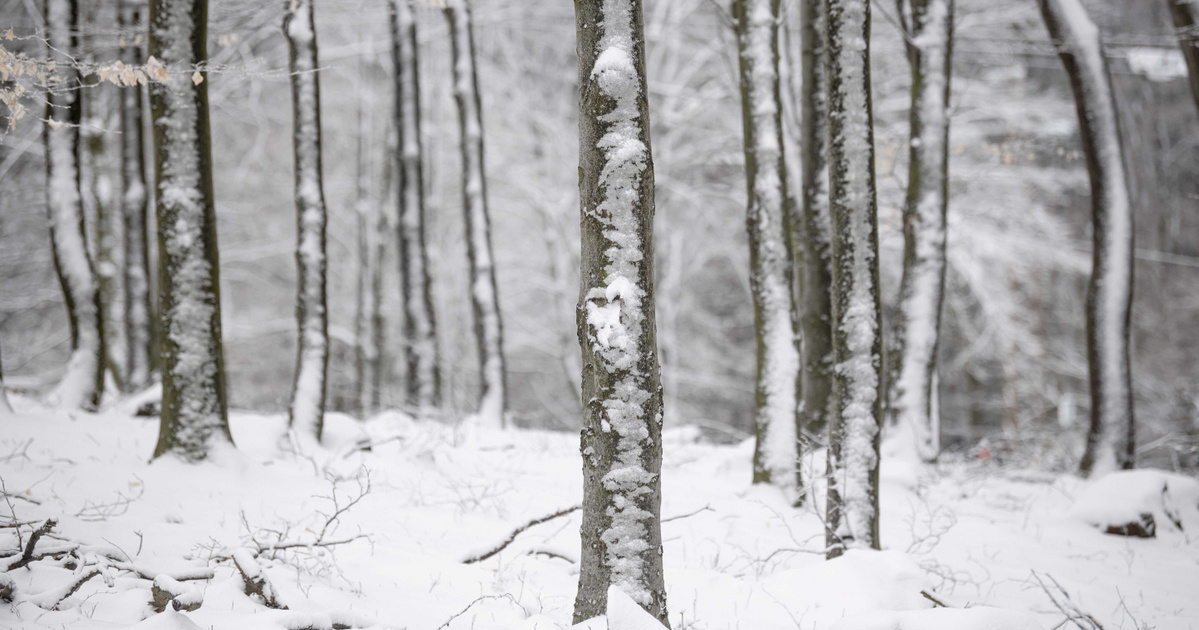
(936, 602)
(516, 532)
(27, 556)
(507, 596)
(706, 508)
(1072, 613)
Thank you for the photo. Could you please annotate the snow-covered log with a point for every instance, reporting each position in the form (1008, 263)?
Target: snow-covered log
(776, 420)
(489, 330)
(194, 417)
(1185, 14)
(622, 392)
(1112, 436)
(83, 383)
(307, 412)
(914, 428)
(423, 378)
(856, 417)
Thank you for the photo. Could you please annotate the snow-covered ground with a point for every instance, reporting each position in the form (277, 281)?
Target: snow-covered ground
(969, 534)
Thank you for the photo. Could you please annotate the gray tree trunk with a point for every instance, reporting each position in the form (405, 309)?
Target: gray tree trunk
(368, 315)
(82, 386)
(1111, 441)
(423, 379)
(5, 407)
(1185, 14)
(776, 412)
(138, 313)
(307, 413)
(489, 329)
(915, 429)
(622, 390)
(194, 421)
(858, 388)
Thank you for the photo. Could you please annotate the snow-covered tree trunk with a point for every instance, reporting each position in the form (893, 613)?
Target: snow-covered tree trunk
(1111, 441)
(1185, 14)
(489, 330)
(367, 314)
(776, 450)
(82, 385)
(138, 313)
(921, 291)
(622, 391)
(307, 413)
(856, 418)
(817, 271)
(194, 421)
(423, 379)
(109, 224)
(5, 407)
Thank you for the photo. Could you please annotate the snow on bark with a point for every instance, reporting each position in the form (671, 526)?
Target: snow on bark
(420, 334)
(852, 514)
(83, 383)
(776, 453)
(1185, 14)
(622, 396)
(307, 413)
(918, 320)
(484, 294)
(194, 420)
(134, 206)
(1111, 439)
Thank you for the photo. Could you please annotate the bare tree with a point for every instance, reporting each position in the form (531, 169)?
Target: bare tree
(858, 389)
(307, 413)
(622, 390)
(1111, 441)
(489, 329)
(914, 425)
(194, 418)
(1185, 14)
(83, 383)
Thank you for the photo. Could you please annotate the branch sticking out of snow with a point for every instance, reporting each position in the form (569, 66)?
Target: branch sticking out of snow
(256, 581)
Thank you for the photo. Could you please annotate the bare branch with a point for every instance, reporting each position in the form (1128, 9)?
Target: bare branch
(516, 532)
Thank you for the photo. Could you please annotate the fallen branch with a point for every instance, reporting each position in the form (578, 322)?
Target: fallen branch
(28, 557)
(516, 532)
(180, 596)
(936, 602)
(51, 599)
(1067, 607)
(255, 579)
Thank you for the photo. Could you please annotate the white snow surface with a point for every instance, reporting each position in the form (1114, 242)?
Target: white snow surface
(1120, 498)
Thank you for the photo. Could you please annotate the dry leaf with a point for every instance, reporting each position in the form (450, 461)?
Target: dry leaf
(197, 78)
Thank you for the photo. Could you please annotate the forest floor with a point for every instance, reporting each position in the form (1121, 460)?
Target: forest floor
(428, 495)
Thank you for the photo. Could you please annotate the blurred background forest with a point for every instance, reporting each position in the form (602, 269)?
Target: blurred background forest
(1013, 364)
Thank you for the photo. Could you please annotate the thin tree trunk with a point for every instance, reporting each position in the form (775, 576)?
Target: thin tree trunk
(776, 450)
(1185, 14)
(1111, 441)
(922, 288)
(138, 311)
(194, 421)
(858, 389)
(420, 334)
(5, 407)
(307, 415)
(622, 391)
(367, 311)
(489, 329)
(817, 242)
(82, 386)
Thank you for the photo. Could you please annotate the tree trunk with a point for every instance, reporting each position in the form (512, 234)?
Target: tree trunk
(817, 242)
(776, 421)
(922, 288)
(858, 389)
(82, 386)
(489, 330)
(307, 414)
(138, 313)
(420, 334)
(367, 312)
(1111, 439)
(5, 407)
(194, 421)
(622, 391)
(1186, 20)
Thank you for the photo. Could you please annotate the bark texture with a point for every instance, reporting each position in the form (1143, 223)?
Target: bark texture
(1111, 440)
(858, 389)
(1185, 14)
(307, 412)
(82, 386)
(489, 330)
(194, 421)
(621, 385)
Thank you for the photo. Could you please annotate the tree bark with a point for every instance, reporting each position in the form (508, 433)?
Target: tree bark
(307, 413)
(1185, 14)
(5, 407)
(489, 329)
(82, 386)
(776, 412)
(194, 421)
(858, 388)
(913, 426)
(367, 317)
(622, 391)
(1111, 441)
(423, 379)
